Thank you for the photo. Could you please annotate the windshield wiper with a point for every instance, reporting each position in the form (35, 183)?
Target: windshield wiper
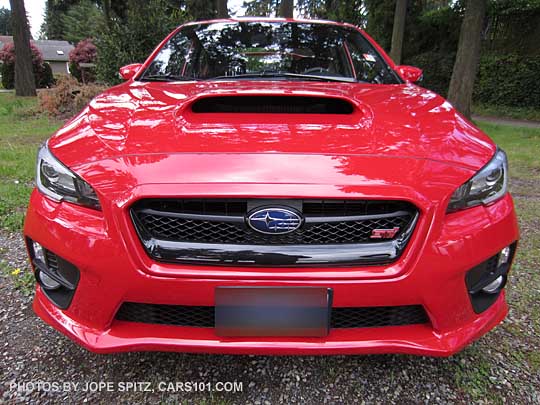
(167, 78)
(288, 75)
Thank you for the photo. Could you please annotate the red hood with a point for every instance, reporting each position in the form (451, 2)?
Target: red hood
(389, 121)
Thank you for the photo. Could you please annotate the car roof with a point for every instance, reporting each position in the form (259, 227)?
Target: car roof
(271, 19)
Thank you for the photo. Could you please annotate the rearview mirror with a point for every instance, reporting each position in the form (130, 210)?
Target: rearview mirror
(410, 73)
(128, 71)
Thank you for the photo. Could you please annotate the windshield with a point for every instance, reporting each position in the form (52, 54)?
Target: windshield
(269, 50)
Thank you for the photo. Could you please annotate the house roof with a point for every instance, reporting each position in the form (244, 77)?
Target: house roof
(52, 50)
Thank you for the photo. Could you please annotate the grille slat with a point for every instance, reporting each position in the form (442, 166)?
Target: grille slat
(203, 316)
(52, 260)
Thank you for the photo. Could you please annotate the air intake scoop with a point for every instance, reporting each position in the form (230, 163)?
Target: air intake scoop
(272, 105)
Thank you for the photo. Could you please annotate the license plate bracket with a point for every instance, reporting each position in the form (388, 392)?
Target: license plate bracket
(272, 311)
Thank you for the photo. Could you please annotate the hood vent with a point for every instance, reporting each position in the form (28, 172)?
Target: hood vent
(272, 105)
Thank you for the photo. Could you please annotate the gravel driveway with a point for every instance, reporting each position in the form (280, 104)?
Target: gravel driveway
(491, 370)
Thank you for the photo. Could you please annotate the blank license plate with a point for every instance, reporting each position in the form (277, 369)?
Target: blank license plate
(272, 311)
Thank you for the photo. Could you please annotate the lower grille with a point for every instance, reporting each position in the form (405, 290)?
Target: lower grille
(203, 316)
(370, 317)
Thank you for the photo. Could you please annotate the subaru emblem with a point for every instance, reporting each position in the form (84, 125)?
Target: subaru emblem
(274, 221)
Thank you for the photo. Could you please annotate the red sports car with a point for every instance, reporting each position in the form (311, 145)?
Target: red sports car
(271, 186)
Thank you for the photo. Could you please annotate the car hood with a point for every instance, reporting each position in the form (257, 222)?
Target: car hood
(390, 121)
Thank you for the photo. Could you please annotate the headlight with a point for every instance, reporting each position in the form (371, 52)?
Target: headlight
(59, 183)
(488, 185)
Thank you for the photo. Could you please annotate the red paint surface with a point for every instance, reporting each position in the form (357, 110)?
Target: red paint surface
(140, 140)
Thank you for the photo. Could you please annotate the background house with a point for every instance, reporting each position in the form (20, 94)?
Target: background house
(55, 53)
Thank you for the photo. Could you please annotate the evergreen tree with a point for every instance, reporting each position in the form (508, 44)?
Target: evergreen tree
(5, 21)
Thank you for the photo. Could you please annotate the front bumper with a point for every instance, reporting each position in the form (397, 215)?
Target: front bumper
(114, 269)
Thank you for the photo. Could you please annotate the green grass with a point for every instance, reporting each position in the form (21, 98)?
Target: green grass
(519, 113)
(522, 146)
(475, 380)
(21, 131)
(23, 279)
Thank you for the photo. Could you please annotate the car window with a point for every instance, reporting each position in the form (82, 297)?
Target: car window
(172, 58)
(368, 65)
(240, 49)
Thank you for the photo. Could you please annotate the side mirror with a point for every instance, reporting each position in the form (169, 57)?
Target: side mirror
(410, 73)
(128, 71)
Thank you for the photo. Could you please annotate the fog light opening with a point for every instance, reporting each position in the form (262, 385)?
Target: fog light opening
(495, 286)
(47, 282)
(486, 281)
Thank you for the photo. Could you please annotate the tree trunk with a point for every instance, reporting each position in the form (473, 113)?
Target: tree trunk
(222, 11)
(286, 8)
(398, 31)
(467, 58)
(107, 11)
(25, 84)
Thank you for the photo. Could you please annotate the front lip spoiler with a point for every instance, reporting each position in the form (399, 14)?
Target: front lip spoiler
(409, 339)
(376, 253)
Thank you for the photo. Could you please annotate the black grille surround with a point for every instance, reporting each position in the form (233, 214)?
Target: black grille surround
(215, 231)
(484, 273)
(341, 317)
(64, 273)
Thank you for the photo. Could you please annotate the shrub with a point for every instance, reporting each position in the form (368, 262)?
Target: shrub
(503, 80)
(67, 98)
(437, 69)
(45, 77)
(84, 52)
(42, 71)
(508, 80)
(7, 70)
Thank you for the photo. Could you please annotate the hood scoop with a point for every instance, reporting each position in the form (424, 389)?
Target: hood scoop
(272, 105)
